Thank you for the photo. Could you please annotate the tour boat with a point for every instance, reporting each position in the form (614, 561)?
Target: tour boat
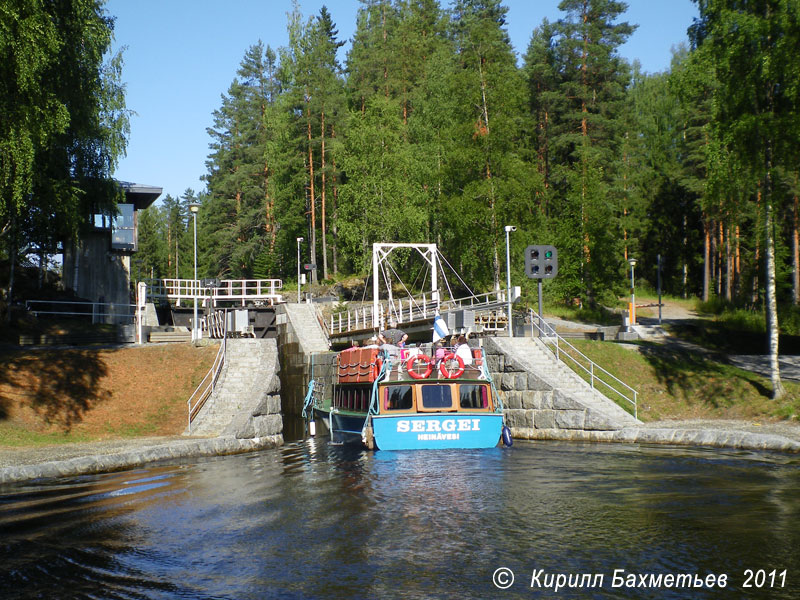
(396, 399)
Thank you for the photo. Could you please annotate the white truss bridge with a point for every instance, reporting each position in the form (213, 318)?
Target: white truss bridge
(475, 312)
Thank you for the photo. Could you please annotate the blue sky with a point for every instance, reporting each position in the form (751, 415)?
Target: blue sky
(182, 55)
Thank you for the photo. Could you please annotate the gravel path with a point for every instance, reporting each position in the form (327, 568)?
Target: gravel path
(13, 457)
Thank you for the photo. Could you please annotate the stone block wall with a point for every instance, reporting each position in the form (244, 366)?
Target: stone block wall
(534, 407)
(265, 419)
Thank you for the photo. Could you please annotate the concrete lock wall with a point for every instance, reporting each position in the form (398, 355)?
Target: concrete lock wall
(542, 395)
(539, 393)
(300, 336)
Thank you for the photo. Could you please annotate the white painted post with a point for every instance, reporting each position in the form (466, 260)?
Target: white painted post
(434, 276)
(141, 306)
(375, 251)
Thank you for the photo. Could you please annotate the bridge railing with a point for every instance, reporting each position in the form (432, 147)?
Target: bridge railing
(409, 309)
(223, 290)
(353, 319)
(582, 364)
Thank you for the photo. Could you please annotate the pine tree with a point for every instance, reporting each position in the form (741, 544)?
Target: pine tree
(490, 170)
(541, 71)
(585, 135)
(247, 156)
(660, 214)
(329, 105)
(152, 252)
(371, 59)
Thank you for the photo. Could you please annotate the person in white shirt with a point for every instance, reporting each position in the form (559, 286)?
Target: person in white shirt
(464, 351)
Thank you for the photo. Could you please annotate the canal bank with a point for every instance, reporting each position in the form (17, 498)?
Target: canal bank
(86, 458)
(536, 409)
(102, 457)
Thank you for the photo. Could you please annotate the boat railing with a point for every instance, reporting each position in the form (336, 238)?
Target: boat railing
(400, 361)
(582, 364)
(209, 382)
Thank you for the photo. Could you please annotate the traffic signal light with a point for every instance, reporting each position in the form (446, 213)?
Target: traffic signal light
(541, 262)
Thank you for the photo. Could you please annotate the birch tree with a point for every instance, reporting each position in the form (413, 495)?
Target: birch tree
(754, 49)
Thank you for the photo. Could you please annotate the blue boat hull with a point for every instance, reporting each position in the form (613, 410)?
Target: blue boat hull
(437, 430)
(343, 428)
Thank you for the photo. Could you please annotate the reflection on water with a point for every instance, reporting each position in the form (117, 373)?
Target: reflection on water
(311, 520)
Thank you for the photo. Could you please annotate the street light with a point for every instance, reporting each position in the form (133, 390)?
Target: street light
(632, 311)
(194, 207)
(509, 229)
(298, 268)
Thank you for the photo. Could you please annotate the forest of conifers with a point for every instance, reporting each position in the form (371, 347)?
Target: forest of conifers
(432, 129)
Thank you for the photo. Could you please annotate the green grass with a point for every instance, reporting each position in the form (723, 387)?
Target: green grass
(598, 316)
(680, 384)
(17, 437)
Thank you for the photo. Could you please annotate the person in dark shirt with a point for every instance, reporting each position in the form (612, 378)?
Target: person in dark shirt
(393, 335)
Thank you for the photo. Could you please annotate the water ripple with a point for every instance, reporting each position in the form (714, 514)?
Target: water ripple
(311, 520)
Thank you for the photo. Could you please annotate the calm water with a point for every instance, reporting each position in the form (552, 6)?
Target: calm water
(311, 520)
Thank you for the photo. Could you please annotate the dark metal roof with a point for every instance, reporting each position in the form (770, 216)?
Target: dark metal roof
(139, 194)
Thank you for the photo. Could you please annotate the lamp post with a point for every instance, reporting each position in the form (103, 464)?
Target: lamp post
(632, 312)
(298, 268)
(509, 229)
(194, 207)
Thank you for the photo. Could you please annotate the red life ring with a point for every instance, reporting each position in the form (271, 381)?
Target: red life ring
(376, 368)
(444, 371)
(410, 366)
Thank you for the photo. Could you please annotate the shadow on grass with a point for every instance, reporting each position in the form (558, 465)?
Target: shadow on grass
(719, 336)
(700, 376)
(60, 386)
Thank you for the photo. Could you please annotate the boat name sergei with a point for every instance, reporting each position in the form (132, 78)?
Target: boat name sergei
(436, 425)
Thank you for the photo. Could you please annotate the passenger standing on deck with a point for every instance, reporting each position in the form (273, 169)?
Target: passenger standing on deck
(464, 351)
(393, 335)
(439, 353)
(453, 342)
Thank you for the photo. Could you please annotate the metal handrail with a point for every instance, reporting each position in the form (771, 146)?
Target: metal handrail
(548, 333)
(239, 290)
(209, 382)
(98, 309)
(421, 307)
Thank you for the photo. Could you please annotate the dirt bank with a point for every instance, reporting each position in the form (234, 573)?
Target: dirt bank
(82, 394)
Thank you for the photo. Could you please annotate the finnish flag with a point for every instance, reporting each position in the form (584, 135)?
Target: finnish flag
(440, 330)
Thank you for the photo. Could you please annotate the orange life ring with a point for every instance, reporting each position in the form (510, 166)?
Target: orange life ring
(455, 374)
(410, 366)
(376, 368)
